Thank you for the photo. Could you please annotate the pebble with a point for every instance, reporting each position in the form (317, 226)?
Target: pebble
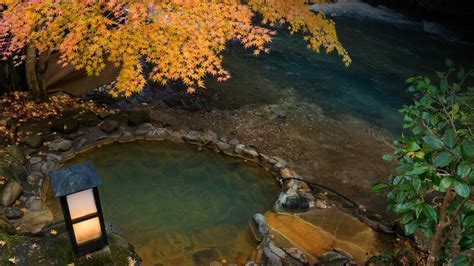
(34, 177)
(34, 160)
(239, 148)
(60, 145)
(13, 213)
(234, 142)
(34, 204)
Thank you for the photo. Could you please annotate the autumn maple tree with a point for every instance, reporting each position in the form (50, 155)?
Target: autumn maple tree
(179, 39)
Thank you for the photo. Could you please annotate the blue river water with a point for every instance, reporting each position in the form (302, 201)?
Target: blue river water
(386, 48)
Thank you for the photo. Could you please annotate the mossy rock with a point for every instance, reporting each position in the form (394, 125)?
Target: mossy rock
(137, 118)
(17, 171)
(122, 118)
(65, 125)
(30, 250)
(37, 126)
(33, 141)
(117, 253)
(58, 251)
(6, 227)
(89, 120)
(104, 115)
(4, 169)
(17, 154)
(4, 141)
(4, 120)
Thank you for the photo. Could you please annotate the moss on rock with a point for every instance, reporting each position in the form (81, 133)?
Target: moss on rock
(41, 250)
(65, 125)
(137, 118)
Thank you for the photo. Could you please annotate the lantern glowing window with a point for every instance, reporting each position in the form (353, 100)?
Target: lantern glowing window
(76, 187)
(81, 203)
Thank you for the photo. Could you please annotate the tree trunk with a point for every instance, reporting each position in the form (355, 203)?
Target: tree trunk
(11, 77)
(443, 223)
(35, 68)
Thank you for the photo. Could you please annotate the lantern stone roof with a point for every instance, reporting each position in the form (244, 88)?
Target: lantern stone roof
(74, 178)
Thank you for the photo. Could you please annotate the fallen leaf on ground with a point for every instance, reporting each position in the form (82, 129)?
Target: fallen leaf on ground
(131, 261)
(13, 260)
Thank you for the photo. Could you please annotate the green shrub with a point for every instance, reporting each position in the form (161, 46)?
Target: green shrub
(431, 191)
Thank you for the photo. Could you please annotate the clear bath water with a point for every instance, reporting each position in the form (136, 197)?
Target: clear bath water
(181, 206)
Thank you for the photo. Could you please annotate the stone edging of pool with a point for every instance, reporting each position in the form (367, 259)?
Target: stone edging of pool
(296, 196)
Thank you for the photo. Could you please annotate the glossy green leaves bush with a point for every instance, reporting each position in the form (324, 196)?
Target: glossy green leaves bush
(432, 188)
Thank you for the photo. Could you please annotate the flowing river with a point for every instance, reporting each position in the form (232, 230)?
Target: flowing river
(386, 48)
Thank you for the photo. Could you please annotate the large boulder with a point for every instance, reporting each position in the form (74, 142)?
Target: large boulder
(6, 228)
(332, 258)
(192, 136)
(296, 203)
(47, 249)
(65, 125)
(137, 118)
(259, 226)
(17, 171)
(294, 199)
(145, 129)
(109, 126)
(89, 120)
(33, 141)
(60, 145)
(13, 213)
(10, 192)
(17, 154)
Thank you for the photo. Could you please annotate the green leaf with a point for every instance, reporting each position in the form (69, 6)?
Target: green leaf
(418, 170)
(416, 130)
(430, 212)
(443, 159)
(418, 210)
(406, 218)
(449, 62)
(413, 146)
(387, 157)
(468, 221)
(410, 228)
(416, 184)
(460, 261)
(467, 148)
(467, 119)
(465, 242)
(433, 141)
(449, 138)
(461, 189)
(445, 183)
(379, 186)
(461, 74)
(455, 108)
(463, 170)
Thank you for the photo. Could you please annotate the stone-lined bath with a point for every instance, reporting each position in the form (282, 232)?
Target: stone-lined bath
(178, 205)
(279, 241)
